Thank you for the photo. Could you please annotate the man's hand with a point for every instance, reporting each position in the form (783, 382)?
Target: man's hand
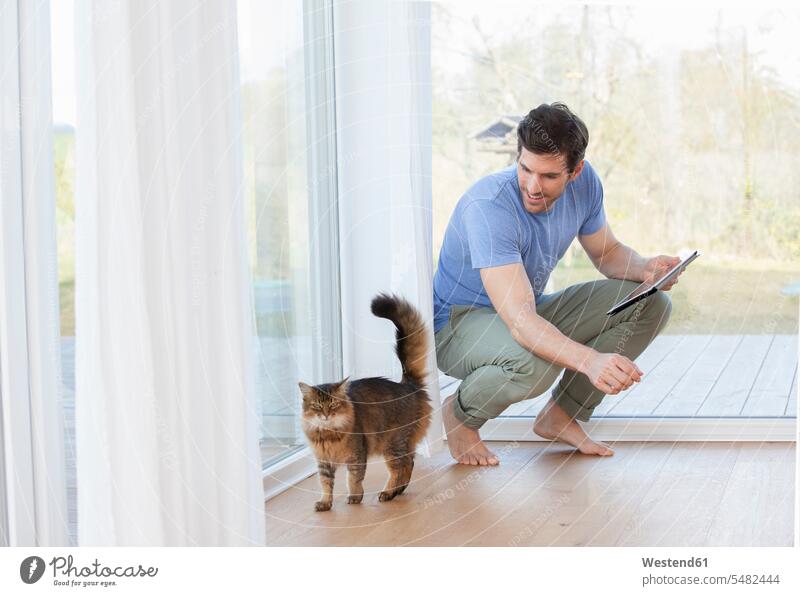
(656, 267)
(612, 373)
(617, 261)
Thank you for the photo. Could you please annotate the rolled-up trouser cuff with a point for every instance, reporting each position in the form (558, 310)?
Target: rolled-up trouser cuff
(463, 417)
(573, 408)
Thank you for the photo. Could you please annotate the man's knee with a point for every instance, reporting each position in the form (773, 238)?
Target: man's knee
(659, 308)
(530, 375)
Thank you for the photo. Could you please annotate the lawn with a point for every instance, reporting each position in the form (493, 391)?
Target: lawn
(721, 299)
(66, 296)
(709, 298)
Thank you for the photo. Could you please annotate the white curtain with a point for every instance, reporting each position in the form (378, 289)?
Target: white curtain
(32, 474)
(167, 437)
(383, 117)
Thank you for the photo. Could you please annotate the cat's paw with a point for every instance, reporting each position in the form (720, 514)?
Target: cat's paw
(354, 499)
(323, 505)
(387, 495)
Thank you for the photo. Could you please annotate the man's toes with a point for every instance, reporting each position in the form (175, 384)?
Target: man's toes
(602, 448)
(481, 459)
(592, 448)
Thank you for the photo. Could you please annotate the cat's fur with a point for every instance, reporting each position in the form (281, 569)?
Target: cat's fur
(348, 421)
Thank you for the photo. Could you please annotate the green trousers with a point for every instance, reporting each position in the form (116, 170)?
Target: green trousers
(476, 346)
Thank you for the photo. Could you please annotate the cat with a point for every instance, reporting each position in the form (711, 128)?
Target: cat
(348, 421)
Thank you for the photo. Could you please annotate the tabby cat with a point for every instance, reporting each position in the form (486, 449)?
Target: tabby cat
(348, 421)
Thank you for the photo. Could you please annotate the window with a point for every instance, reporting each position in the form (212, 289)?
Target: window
(693, 130)
(62, 39)
(289, 188)
(290, 196)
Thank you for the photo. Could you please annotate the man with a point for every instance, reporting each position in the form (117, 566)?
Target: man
(498, 331)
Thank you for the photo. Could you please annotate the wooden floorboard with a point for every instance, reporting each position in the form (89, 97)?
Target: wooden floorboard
(570, 501)
(291, 516)
(692, 388)
(755, 509)
(647, 494)
(791, 404)
(704, 375)
(730, 392)
(659, 383)
(648, 361)
(770, 392)
(683, 498)
(759, 378)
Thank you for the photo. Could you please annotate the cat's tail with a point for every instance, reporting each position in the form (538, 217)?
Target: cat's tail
(412, 335)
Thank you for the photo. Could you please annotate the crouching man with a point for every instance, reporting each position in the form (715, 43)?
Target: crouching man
(496, 329)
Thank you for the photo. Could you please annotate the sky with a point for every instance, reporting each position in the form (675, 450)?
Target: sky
(659, 27)
(62, 37)
(270, 30)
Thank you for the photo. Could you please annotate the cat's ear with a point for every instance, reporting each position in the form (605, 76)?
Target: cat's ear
(343, 386)
(306, 390)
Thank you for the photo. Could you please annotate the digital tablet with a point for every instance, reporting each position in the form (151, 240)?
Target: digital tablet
(645, 289)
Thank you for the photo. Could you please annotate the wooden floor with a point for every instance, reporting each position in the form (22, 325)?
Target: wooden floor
(693, 375)
(705, 375)
(647, 494)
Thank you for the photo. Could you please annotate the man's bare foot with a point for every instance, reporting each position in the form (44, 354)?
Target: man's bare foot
(554, 424)
(465, 443)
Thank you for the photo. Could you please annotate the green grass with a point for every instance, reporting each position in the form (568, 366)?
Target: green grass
(66, 296)
(707, 299)
(719, 299)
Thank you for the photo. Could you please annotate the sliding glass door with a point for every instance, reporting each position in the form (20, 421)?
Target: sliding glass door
(290, 192)
(693, 131)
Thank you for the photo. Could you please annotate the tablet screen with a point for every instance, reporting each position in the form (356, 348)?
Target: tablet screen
(640, 289)
(644, 287)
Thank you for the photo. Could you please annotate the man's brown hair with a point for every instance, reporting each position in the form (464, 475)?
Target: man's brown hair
(553, 129)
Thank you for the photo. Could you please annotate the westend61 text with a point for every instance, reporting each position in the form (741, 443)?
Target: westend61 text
(65, 566)
(690, 562)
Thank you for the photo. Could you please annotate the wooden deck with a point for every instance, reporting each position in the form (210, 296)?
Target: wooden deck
(710, 376)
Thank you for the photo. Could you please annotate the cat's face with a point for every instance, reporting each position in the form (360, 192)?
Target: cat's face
(326, 406)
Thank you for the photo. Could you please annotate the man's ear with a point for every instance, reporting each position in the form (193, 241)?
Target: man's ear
(577, 171)
(306, 390)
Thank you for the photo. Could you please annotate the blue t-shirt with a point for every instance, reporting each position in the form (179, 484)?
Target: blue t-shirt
(490, 227)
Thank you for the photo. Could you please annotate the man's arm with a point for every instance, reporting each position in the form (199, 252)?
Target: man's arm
(615, 260)
(511, 294)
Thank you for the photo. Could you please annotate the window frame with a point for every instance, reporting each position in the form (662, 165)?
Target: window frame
(324, 266)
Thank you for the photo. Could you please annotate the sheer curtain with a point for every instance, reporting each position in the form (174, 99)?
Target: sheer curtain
(32, 477)
(166, 421)
(383, 113)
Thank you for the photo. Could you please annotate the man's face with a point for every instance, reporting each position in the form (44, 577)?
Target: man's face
(542, 179)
